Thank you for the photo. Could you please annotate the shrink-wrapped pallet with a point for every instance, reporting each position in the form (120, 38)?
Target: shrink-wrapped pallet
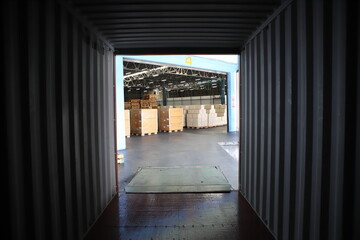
(196, 116)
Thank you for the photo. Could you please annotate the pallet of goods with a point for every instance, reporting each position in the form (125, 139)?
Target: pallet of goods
(127, 123)
(149, 97)
(152, 100)
(144, 121)
(170, 119)
(127, 105)
(197, 117)
(221, 113)
(135, 103)
(144, 104)
(212, 120)
(185, 110)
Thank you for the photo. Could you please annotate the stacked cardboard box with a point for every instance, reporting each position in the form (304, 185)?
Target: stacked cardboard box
(185, 109)
(170, 119)
(127, 123)
(152, 100)
(145, 104)
(212, 119)
(127, 105)
(185, 112)
(135, 103)
(144, 121)
(196, 116)
(221, 113)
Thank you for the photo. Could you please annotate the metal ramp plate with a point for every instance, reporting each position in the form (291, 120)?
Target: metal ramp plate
(193, 179)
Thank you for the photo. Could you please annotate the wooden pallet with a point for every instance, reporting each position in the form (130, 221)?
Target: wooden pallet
(144, 134)
(170, 131)
(198, 127)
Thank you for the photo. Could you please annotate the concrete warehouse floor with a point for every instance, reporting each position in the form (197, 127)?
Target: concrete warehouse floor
(192, 147)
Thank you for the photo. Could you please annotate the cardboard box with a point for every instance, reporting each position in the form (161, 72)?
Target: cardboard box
(127, 105)
(145, 104)
(221, 111)
(135, 103)
(196, 119)
(149, 97)
(143, 121)
(170, 119)
(127, 122)
(127, 114)
(220, 106)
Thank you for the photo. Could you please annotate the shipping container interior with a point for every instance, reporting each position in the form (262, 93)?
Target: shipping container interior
(292, 102)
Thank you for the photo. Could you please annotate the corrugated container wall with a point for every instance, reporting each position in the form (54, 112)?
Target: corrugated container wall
(58, 107)
(300, 121)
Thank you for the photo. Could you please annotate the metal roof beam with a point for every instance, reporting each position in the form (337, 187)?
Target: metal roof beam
(206, 14)
(171, 7)
(176, 30)
(243, 26)
(110, 22)
(175, 34)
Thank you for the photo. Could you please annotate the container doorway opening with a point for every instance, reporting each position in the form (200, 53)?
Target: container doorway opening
(177, 110)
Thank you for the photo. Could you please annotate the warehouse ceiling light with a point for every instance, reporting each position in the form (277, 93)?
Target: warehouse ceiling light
(171, 77)
(156, 71)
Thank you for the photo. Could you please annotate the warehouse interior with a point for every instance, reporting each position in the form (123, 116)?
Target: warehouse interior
(299, 136)
(179, 82)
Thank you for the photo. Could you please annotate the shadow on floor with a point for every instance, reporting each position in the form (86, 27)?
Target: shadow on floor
(179, 216)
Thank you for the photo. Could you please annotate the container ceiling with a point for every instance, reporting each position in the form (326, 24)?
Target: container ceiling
(182, 26)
